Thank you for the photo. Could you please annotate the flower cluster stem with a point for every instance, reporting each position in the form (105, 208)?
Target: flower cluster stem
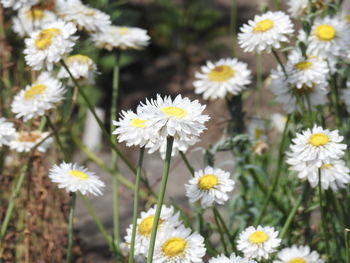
(166, 167)
(69, 255)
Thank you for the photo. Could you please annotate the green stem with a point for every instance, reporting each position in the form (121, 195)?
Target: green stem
(97, 221)
(187, 163)
(57, 138)
(12, 202)
(136, 205)
(227, 231)
(323, 217)
(169, 146)
(99, 122)
(115, 181)
(70, 228)
(280, 62)
(347, 247)
(221, 232)
(277, 176)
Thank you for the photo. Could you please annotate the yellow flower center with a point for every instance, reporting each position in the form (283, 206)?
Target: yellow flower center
(34, 91)
(318, 139)
(138, 123)
(35, 14)
(221, 73)
(123, 30)
(327, 166)
(45, 38)
(28, 137)
(258, 237)
(257, 133)
(297, 260)
(89, 12)
(79, 58)
(263, 26)
(174, 246)
(208, 181)
(325, 32)
(303, 65)
(174, 112)
(79, 174)
(145, 227)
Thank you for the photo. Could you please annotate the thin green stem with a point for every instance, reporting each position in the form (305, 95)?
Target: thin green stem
(166, 167)
(227, 231)
(187, 163)
(136, 205)
(97, 221)
(115, 181)
(277, 175)
(69, 255)
(347, 247)
(323, 216)
(280, 62)
(221, 232)
(99, 122)
(13, 199)
(57, 138)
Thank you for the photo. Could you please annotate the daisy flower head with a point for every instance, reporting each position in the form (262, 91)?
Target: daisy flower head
(259, 242)
(334, 172)
(82, 68)
(133, 128)
(221, 78)
(37, 98)
(76, 178)
(287, 93)
(48, 45)
(179, 245)
(124, 38)
(257, 129)
(330, 36)
(232, 259)
(210, 186)
(345, 96)
(24, 141)
(279, 121)
(7, 131)
(180, 118)
(308, 71)
(316, 144)
(29, 20)
(168, 220)
(84, 17)
(297, 8)
(265, 32)
(17, 4)
(298, 254)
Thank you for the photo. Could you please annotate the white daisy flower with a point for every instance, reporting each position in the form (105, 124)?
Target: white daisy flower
(279, 121)
(287, 93)
(76, 178)
(132, 129)
(179, 245)
(168, 220)
(7, 131)
(330, 36)
(297, 8)
(49, 45)
(17, 4)
(226, 76)
(334, 172)
(116, 37)
(257, 129)
(301, 254)
(345, 96)
(210, 186)
(308, 72)
(25, 141)
(37, 98)
(84, 17)
(258, 242)
(82, 68)
(29, 20)
(180, 118)
(232, 259)
(316, 144)
(265, 32)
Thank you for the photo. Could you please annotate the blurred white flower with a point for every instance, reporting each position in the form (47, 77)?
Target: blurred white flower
(295, 254)
(345, 96)
(47, 46)
(265, 32)
(75, 178)
(221, 78)
(116, 37)
(37, 98)
(7, 131)
(279, 121)
(211, 186)
(232, 259)
(297, 8)
(24, 141)
(17, 4)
